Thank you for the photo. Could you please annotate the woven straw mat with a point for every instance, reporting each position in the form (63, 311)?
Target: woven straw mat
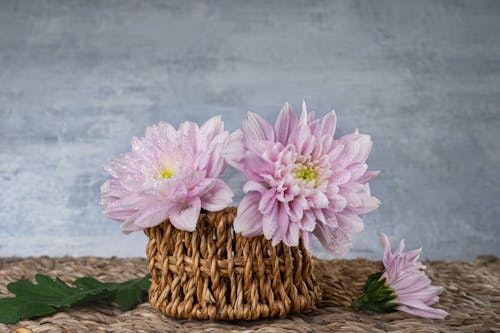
(471, 296)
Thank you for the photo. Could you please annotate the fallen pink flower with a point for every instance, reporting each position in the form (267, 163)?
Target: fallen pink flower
(402, 286)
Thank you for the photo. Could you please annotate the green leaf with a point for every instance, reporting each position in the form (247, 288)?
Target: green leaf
(88, 283)
(12, 310)
(47, 296)
(55, 292)
(377, 295)
(127, 294)
(131, 293)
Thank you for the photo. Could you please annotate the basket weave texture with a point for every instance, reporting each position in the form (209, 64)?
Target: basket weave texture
(214, 273)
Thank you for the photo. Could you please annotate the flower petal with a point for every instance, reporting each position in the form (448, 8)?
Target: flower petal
(212, 127)
(161, 133)
(253, 186)
(219, 197)
(292, 235)
(347, 155)
(268, 201)
(283, 222)
(190, 137)
(324, 126)
(399, 250)
(308, 222)
(422, 310)
(258, 168)
(301, 138)
(128, 227)
(150, 217)
(335, 241)
(387, 250)
(233, 152)
(257, 128)
(306, 237)
(350, 223)
(365, 146)
(285, 124)
(248, 219)
(319, 200)
(270, 222)
(368, 175)
(216, 163)
(185, 217)
(357, 170)
(304, 118)
(337, 203)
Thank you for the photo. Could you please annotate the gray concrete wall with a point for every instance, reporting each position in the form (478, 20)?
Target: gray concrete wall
(79, 78)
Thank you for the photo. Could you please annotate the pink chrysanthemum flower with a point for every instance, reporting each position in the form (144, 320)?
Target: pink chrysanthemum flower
(169, 174)
(302, 181)
(405, 274)
(402, 286)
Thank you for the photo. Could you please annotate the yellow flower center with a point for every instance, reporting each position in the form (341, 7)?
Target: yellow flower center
(306, 173)
(167, 173)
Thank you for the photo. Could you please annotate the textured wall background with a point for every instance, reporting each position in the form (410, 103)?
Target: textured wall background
(79, 78)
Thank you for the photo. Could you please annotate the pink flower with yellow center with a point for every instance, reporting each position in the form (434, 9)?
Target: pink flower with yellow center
(302, 181)
(169, 174)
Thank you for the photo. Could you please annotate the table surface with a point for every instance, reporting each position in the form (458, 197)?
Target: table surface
(471, 296)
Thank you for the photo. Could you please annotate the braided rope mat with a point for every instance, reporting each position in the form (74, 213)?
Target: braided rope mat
(472, 297)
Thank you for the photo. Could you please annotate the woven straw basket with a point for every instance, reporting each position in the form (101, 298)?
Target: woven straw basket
(213, 273)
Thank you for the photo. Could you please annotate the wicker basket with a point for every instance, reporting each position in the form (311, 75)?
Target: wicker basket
(213, 273)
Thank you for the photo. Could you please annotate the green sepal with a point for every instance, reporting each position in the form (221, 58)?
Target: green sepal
(377, 296)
